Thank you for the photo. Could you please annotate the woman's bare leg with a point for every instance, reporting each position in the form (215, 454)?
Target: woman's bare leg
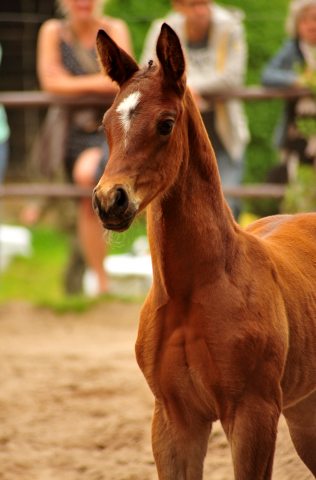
(90, 230)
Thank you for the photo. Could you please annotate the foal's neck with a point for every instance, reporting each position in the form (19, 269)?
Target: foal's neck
(196, 197)
(191, 226)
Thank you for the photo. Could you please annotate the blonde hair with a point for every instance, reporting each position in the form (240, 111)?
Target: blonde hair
(295, 9)
(99, 5)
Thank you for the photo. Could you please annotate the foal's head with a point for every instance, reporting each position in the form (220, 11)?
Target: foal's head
(143, 128)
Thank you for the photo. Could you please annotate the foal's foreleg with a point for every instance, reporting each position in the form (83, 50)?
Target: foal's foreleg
(301, 420)
(179, 450)
(252, 436)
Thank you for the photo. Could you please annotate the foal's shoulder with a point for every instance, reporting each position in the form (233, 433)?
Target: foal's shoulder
(290, 224)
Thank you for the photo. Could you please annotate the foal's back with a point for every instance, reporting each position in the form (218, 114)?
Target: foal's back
(290, 243)
(289, 239)
(287, 225)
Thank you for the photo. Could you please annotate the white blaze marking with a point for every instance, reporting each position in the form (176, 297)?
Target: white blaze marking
(126, 109)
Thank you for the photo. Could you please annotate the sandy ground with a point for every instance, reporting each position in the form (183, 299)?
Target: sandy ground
(74, 405)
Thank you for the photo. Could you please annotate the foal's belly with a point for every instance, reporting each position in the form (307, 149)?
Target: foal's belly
(299, 378)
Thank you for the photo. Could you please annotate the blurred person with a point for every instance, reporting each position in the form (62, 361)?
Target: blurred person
(213, 40)
(4, 137)
(67, 65)
(294, 65)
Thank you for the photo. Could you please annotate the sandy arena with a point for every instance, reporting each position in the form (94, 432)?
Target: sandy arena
(74, 405)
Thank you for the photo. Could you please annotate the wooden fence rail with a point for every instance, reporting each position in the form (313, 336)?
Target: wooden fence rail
(266, 190)
(29, 99)
(42, 99)
(52, 190)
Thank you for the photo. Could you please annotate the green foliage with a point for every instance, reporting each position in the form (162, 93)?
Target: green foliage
(138, 14)
(264, 23)
(307, 126)
(301, 195)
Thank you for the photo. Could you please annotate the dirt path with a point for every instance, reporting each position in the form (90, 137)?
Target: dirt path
(74, 405)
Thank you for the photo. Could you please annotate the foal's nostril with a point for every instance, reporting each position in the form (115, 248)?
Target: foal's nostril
(96, 204)
(121, 200)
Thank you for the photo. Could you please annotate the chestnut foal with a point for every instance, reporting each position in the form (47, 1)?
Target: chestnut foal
(228, 330)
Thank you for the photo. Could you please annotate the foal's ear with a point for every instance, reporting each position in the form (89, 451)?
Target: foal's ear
(115, 62)
(170, 55)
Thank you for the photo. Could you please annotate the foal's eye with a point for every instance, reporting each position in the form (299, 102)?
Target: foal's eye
(166, 127)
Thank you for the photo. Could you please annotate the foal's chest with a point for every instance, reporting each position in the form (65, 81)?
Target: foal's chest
(176, 359)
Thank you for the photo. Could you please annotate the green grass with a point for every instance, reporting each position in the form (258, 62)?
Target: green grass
(39, 278)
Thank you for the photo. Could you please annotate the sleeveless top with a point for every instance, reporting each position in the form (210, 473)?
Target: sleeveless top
(70, 61)
(79, 139)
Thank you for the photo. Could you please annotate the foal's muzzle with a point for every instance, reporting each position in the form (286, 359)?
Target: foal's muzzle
(114, 207)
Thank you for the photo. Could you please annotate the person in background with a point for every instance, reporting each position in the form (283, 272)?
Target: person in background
(213, 40)
(67, 65)
(4, 138)
(294, 65)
